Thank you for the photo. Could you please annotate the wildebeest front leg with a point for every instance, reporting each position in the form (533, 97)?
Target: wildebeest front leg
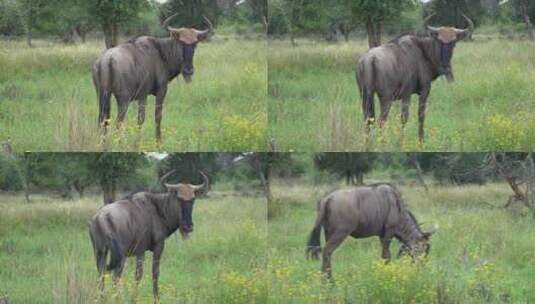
(385, 110)
(385, 244)
(334, 241)
(421, 113)
(157, 253)
(160, 96)
(139, 267)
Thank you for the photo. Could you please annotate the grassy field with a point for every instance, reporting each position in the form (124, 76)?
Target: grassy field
(48, 102)
(314, 103)
(46, 255)
(479, 254)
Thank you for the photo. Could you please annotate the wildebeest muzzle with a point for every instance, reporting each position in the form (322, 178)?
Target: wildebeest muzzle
(187, 61)
(186, 225)
(446, 52)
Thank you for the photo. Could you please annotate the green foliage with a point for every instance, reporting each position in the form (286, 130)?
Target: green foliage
(46, 255)
(115, 12)
(316, 83)
(10, 19)
(49, 101)
(478, 254)
(351, 166)
(10, 175)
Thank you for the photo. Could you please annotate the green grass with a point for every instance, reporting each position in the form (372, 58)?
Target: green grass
(314, 103)
(479, 254)
(48, 102)
(46, 254)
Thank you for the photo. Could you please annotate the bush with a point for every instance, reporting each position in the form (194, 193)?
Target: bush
(10, 178)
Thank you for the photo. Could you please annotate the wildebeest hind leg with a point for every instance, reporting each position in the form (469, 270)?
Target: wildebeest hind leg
(334, 241)
(101, 267)
(122, 109)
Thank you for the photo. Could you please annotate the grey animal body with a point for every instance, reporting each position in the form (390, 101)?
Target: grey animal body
(405, 66)
(139, 223)
(362, 212)
(141, 67)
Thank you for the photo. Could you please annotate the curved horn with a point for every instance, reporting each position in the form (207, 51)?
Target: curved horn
(204, 34)
(429, 27)
(166, 22)
(204, 183)
(470, 24)
(164, 177)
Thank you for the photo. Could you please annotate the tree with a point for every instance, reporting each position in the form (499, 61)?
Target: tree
(518, 171)
(260, 10)
(191, 12)
(31, 11)
(112, 169)
(525, 7)
(186, 167)
(376, 13)
(350, 165)
(111, 14)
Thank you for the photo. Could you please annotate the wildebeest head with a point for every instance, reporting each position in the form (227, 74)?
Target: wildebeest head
(447, 37)
(184, 195)
(188, 38)
(418, 247)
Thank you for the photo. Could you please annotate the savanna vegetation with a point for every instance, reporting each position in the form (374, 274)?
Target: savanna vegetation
(480, 252)
(46, 254)
(48, 101)
(312, 77)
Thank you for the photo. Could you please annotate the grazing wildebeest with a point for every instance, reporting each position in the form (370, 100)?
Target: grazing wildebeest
(406, 66)
(144, 66)
(141, 222)
(375, 210)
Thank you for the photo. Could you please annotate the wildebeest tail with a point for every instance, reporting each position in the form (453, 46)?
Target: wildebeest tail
(103, 84)
(365, 79)
(113, 245)
(115, 254)
(314, 243)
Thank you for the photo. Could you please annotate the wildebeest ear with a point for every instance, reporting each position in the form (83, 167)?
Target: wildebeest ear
(462, 35)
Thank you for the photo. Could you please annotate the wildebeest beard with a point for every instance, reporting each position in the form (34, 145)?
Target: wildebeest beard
(446, 52)
(187, 66)
(186, 225)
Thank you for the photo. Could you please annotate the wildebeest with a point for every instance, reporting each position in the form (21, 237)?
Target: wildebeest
(144, 66)
(375, 210)
(406, 66)
(141, 222)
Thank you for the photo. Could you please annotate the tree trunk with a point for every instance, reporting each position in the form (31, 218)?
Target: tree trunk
(374, 33)
(110, 35)
(29, 29)
(413, 159)
(27, 191)
(108, 192)
(360, 178)
(525, 13)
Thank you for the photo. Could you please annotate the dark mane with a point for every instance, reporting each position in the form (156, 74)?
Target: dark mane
(396, 39)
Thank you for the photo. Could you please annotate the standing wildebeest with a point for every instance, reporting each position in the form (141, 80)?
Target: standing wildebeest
(407, 66)
(144, 66)
(141, 222)
(361, 212)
